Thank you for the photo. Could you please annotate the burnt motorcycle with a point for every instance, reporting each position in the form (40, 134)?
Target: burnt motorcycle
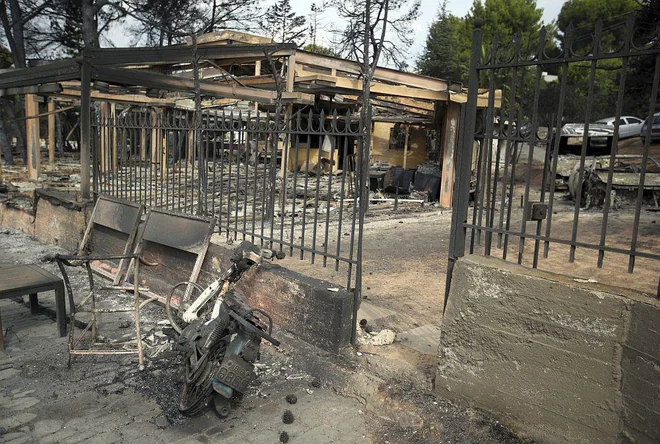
(219, 335)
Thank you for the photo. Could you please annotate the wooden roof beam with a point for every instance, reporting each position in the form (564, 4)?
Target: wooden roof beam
(154, 80)
(48, 88)
(49, 73)
(183, 53)
(382, 74)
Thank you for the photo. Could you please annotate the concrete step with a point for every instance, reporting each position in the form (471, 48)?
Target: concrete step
(374, 314)
(424, 339)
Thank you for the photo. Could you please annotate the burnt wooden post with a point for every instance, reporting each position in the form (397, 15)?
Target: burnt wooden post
(52, 141)
(105, 140)
(113, 140)
(32, 136)
(449, 149)
(85, 131)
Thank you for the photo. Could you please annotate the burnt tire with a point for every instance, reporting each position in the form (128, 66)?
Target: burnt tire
(197, 391)
(194, 398)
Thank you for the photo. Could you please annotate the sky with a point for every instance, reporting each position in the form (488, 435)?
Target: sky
(429, 9)
(429, 12)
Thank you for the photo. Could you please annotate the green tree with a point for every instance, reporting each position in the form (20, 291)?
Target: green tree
(318, 49)
(441, 56)
(583, 14)
(639, 83)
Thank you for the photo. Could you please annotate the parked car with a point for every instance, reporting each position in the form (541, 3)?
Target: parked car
(629, 126)
(654, 134)
(572, 135)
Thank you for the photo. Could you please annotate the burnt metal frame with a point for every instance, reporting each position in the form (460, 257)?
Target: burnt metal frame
(200, 252)
(487, 186)
(92, 327)
(130, 241)
(91, 66)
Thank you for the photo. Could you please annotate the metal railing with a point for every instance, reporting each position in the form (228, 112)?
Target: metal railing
(511, 151)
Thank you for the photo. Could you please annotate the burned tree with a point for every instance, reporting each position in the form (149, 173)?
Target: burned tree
(161, 21)
(283, 24)
(389, 29)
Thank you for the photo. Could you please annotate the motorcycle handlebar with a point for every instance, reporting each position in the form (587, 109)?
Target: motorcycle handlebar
(249, 251)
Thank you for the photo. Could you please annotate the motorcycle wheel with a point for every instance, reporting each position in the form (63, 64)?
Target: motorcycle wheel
(197, 390)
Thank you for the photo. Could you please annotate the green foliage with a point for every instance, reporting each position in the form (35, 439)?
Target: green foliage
(67, 30)
(449, 42)
(318, 49)
(6, 60)
(640, 77)
(583, 14)
(442, 56)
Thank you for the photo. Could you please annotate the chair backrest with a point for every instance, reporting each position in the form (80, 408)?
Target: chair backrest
(172, 247)
(111, 231)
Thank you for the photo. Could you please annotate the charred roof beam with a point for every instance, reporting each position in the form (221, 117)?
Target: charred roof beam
(181, 54)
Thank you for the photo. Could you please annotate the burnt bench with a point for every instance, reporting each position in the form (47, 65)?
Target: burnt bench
(19, 280)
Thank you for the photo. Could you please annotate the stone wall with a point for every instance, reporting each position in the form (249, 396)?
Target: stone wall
(60, 219)
(555, 360)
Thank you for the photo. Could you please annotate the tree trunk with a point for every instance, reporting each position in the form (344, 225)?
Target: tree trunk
(17, 129)
(4, 141)
(90, 25)
(14, 33)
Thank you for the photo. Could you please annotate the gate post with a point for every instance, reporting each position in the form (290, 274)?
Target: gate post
(461, 195)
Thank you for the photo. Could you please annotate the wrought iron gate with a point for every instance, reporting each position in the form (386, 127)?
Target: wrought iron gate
(486, 216)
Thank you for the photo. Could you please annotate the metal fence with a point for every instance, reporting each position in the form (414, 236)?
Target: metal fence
(509, 170)
(289, 182)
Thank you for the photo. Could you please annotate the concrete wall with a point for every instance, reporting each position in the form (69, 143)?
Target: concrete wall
(299, 304)
(380, 145)
(60, 220)
(555, 360)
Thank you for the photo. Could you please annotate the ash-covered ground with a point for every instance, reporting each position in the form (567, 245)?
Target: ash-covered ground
(106, 399)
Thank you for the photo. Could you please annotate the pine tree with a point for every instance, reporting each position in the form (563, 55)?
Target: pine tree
(283, 24)
(441, 56)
